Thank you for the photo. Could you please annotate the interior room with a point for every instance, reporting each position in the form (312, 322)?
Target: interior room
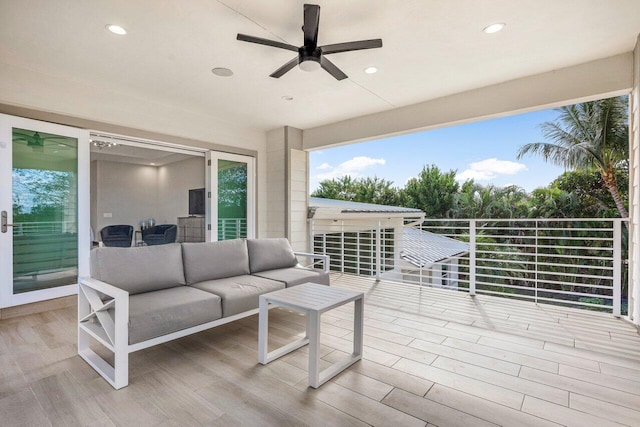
(145, 186)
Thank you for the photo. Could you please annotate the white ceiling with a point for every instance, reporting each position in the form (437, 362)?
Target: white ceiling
(432, 48)
(136, 155)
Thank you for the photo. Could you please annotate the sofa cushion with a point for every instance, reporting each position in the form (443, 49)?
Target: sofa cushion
(153, 314)
(239, 293)
(270, 254)
(139, 269)
(293, 276)
(215, 260)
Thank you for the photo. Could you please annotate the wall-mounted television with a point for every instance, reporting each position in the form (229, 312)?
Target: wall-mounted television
(196, 201)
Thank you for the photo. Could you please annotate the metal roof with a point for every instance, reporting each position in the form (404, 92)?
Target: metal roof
(423, 248)
(358, 207)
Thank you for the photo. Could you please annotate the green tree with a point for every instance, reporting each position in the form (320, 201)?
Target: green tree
(593, 197)
(367, 190)
(432, 191)
(376, 190)
(338, 189)
(590, 135)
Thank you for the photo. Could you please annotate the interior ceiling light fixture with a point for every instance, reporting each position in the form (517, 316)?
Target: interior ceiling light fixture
(116, 29)
(222, 72)
(102, 144)
(287, 98)
(311, 57)
(371, 70)
(494, 28)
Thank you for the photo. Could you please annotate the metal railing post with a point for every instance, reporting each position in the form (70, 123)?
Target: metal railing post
(342, 246)
(378, 252)
(617, 266)
(358, 253)
(535, 280)
(472, 257)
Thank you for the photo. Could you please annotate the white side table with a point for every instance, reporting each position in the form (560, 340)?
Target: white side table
(313, 300)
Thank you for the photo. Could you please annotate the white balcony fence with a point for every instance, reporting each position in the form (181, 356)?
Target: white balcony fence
(43, 228)
(232, 228)
(569, 262)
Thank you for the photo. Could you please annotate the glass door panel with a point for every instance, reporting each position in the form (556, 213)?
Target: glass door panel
(44, 238)
(230, 185)
(232, 199)
(45, 210)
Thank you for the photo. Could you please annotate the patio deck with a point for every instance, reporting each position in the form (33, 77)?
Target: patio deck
(431, 356)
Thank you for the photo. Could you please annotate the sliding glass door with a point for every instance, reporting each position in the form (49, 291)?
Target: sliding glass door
(43, 233)
(230, 185)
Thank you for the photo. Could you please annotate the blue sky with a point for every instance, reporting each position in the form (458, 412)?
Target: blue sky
(483, 150)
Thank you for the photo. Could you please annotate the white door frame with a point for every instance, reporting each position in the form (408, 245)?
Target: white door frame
(7, 297)
(211, 208)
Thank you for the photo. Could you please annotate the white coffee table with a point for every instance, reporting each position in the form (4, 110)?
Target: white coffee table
(313, 300)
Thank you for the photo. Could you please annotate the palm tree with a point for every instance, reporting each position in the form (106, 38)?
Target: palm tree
(588, 135)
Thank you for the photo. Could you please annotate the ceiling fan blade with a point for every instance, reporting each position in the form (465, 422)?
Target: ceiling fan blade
(310, 28)
(349, 46)
(286, 67)
(266, 42)
(331, 68)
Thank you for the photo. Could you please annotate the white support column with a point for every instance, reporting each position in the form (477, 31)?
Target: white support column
(634, 191)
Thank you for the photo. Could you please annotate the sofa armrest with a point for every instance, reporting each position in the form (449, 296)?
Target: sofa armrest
(95, 321)
(321, 258)
(107, 289)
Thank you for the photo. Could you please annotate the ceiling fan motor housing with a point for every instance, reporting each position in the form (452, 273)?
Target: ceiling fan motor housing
(309, 60)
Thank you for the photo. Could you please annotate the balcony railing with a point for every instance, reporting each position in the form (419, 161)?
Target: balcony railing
(41, 228)
(570, 262)
(232, 228)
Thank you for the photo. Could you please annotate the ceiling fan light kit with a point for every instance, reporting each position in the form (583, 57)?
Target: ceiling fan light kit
(311, 57)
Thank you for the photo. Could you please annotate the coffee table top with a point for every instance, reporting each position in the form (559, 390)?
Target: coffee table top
(312, 296)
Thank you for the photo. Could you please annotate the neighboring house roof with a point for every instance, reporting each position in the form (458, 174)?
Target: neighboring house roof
(423, 248)
(346, 207)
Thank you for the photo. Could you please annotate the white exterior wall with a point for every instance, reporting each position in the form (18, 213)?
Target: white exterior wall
(276, 184)
(634, 192)
(287, 187)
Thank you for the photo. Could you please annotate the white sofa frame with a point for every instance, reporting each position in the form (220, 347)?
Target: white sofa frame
(113, 333)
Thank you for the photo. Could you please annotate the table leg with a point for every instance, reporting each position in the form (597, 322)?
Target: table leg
(313, 332)
(358, 327)
(263, 330)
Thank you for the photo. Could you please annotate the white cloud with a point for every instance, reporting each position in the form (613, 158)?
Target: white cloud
(488, 169)
(354, 168)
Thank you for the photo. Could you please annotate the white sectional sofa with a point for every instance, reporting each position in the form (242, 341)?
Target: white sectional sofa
(143, 296)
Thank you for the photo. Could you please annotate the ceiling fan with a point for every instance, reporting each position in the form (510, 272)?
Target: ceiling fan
(35, 141)
(310, 55)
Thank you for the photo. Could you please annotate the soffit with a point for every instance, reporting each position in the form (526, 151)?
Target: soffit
(431, 49)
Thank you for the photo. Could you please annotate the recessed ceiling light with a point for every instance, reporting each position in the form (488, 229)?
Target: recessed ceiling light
(116, 29)
(287, 98)
(222, 72)
(371, 70)
(152, 164)
(494, 28)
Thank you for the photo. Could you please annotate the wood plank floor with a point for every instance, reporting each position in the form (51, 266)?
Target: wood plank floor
(432, 357)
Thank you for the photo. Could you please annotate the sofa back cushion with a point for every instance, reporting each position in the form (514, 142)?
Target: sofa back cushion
(269, 254)
(139, 269)
(215, 260)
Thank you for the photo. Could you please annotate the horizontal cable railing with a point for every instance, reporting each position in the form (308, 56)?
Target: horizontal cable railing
(41, 228)
(232, 228)
(569, 262)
